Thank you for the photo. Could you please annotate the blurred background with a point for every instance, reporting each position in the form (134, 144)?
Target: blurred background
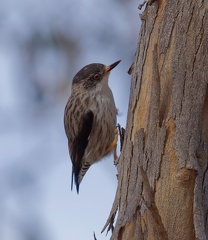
(43, 44)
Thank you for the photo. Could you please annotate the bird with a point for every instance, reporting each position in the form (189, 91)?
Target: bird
(90, 119)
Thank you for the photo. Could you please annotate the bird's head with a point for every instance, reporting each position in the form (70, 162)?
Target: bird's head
(93, 74)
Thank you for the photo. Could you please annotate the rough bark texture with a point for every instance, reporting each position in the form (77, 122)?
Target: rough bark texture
(163, 168)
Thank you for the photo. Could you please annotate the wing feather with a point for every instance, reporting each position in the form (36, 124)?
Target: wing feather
(80, 144)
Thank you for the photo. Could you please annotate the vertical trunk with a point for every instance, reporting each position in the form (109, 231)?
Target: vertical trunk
(163, 168)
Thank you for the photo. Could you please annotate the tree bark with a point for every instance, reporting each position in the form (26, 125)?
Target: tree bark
(163, 168)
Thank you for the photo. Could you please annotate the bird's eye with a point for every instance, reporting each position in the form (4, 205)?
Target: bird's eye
(96, 76)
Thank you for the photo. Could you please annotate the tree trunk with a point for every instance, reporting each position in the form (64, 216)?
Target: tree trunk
(163, 168)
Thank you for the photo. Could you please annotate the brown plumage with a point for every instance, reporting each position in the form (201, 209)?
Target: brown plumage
(90, 118)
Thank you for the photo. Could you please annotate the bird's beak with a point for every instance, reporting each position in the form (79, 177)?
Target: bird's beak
(109, 68)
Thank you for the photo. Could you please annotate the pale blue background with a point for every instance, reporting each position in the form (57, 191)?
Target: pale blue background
(43, 44)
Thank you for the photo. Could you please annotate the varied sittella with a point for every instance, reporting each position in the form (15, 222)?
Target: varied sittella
(90, 119)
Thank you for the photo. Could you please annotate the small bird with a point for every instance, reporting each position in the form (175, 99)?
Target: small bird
(90, 119)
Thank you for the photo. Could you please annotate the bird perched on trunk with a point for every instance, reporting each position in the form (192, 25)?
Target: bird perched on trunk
(90, 119)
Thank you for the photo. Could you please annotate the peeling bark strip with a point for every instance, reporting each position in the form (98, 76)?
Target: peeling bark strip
(163, 168)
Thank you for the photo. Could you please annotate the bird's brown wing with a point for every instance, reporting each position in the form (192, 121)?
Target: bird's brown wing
(79, 145)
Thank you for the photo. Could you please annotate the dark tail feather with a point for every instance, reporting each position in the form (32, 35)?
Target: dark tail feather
(74, 177)
(77, 176)
(77, 184)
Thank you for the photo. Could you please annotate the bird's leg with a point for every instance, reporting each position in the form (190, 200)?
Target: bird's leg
(121, 135)
(115, 153)
(113, 145)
